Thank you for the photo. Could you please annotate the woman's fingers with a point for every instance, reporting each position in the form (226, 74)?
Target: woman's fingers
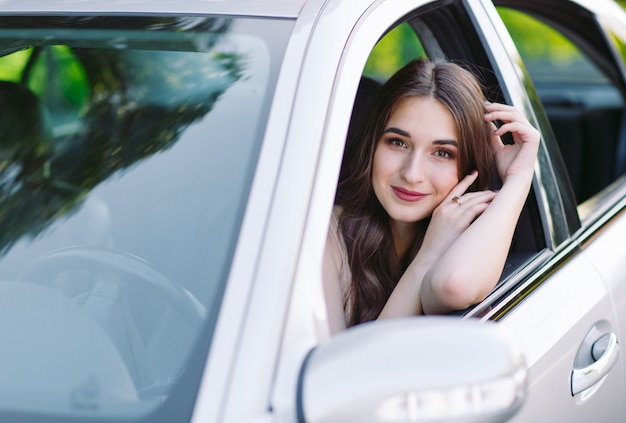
(466, 203)
(513, 121)
(503, 113)
(472, 203)
(498, 107)
(496, 141)
(520, 157)
(522, 129)
(473, 197)
(459, 197)
(462, 185)
(453, 216)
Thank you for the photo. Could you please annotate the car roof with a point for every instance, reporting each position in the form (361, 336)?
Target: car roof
(268, 8)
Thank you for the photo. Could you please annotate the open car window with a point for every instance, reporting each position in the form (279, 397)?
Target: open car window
(445, 31)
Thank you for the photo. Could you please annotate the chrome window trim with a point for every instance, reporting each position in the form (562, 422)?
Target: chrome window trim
(530, 276)
(521, 284)
(601, 209)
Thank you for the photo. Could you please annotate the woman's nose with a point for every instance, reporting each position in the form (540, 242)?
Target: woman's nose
(413, 168)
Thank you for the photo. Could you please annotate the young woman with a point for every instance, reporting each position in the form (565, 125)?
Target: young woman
(416, 229)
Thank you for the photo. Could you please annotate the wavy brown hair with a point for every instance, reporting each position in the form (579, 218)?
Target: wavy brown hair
(364, 223)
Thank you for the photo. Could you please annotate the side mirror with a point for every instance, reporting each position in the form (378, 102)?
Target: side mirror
(422, 369)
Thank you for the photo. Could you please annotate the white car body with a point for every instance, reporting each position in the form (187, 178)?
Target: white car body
(564, 298)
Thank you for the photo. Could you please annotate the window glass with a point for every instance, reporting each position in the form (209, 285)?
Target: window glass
(621, 45)
(548, 55)
(583, 104)
(59, 78)
(124, 173)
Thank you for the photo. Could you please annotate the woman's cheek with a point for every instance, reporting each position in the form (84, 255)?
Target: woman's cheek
(446, 178)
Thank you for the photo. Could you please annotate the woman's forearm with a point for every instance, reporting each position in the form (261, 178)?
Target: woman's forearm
(405, 298)
(473, 264)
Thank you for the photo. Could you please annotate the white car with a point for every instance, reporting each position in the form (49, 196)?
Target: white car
(167, 175)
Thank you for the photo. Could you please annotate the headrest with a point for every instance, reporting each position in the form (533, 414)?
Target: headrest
(23, 122)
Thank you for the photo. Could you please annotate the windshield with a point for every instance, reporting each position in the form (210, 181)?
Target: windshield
(127, 152)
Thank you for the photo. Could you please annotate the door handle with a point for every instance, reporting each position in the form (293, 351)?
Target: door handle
(605, 351)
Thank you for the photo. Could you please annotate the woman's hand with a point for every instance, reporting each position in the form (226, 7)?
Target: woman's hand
(453, 216)
(518, 158)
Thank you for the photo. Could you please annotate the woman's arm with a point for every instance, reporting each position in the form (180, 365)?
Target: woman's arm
(472, 265)
(448, 222)
(331, 280)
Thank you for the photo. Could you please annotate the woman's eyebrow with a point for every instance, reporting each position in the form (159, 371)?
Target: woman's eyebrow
(446, 142)
(397, 131)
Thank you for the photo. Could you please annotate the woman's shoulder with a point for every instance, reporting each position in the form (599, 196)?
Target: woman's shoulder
(335, 241)
(336, 215)
(337, 256)
(336, 274)
(334, 232)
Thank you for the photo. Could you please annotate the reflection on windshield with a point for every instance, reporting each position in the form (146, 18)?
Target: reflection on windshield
(127, 152)
(140, 103)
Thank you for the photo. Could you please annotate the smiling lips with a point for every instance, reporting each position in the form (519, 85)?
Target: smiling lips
(407, 195)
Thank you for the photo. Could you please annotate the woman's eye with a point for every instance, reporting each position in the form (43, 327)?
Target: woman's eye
(445, 154)
(397, 142)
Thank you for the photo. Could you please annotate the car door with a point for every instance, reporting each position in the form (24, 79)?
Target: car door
(567, 310)
(551, 297)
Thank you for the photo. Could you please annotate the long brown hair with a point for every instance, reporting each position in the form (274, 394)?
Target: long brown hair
(364, 223)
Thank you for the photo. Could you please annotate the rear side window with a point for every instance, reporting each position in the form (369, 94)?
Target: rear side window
(549, 56)
(582, 97)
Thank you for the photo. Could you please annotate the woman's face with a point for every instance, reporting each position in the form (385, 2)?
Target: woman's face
(415, 161)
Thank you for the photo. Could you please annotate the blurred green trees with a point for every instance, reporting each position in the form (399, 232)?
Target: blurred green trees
(536, 42)
(394, 50)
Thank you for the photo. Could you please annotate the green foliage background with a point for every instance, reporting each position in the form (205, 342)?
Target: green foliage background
(395, 49)
(540, 43)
